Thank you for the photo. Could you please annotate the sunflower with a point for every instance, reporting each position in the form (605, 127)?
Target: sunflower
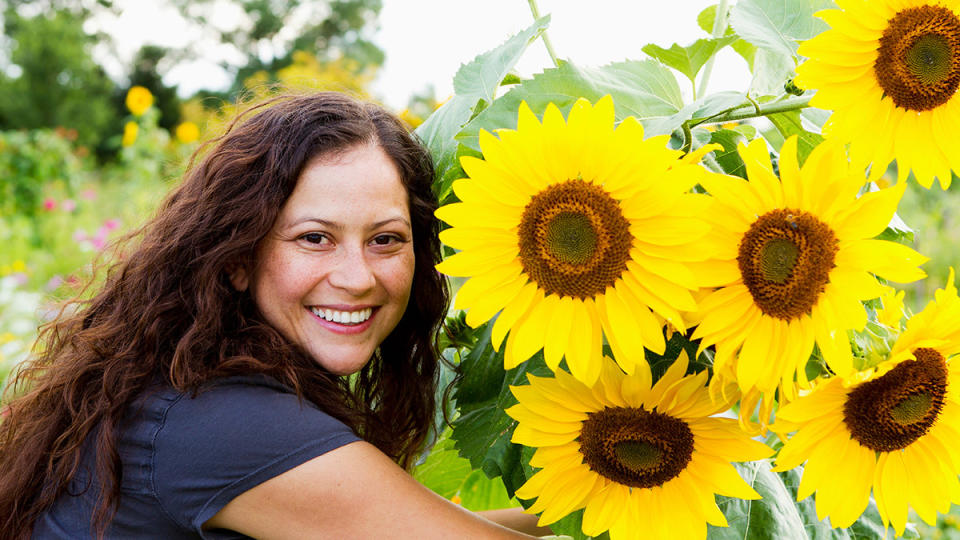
(138, 100)
(889, 70)
(893, 429)
(575, 231)
(798, 256)
(643, 461)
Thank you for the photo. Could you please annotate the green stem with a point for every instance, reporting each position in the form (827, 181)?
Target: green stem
(752, 109)
(719, 28)
(687, 138)
(543, 35)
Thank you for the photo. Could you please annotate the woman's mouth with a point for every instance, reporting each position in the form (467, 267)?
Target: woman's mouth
(346, 318)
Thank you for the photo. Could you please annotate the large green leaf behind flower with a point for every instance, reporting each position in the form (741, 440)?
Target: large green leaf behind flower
(475, 85)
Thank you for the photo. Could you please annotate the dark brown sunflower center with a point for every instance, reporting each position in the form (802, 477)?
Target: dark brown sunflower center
(785, 260)
(918, 62)
(636, 447)
(574, 240)
(893, 411)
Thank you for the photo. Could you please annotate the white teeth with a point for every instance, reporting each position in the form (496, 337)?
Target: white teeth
(343, 317)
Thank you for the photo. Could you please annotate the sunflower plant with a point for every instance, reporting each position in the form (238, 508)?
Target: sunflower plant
(679, 314)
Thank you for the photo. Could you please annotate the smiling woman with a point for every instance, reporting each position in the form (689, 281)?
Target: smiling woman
(202, 391)
(334, 273)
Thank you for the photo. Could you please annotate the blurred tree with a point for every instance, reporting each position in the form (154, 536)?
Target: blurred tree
(51, 79)
(274, 29)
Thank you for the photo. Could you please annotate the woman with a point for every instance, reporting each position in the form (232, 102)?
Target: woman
(202, 392)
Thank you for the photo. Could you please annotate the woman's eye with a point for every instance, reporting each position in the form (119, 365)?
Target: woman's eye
(385, 239)
(314, 238)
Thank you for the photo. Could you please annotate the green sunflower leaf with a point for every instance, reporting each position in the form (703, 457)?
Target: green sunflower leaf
(771, 71)
(447, 474)
(691, 58)
(475, 85)
(745, 50)
(789, 123)
(644, 89)
(778, 25)
(481, 77)
(728, 158)
(773, 516)
(479, 493)
(443, 471)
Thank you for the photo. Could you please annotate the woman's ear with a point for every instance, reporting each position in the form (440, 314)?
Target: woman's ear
(239, 277)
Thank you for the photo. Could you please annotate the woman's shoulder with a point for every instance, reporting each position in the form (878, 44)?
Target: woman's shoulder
(236, 411)
(204, 448)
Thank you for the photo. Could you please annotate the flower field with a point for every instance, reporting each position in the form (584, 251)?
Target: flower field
(678, 314)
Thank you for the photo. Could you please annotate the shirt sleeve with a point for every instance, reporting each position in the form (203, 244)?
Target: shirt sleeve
(230, 438)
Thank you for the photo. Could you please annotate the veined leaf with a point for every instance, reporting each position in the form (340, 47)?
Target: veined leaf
(475, 84)
(645, 89)
(690, 59)
(771, 69)
(443, 471)
(705, 21)
(778, 25)
(773, 516)
(789, 123)
(481, 77)
(728, 158)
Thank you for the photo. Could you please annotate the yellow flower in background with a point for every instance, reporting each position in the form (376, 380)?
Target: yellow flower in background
(187, 132)
(130, 130)
(798, 258)
(644, 462)
(410, 118)
(893, 430)
(574, 232)
(139, 99)
(889, 70)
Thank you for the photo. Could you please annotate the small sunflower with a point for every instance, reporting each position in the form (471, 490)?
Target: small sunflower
(643, 461)
(797, 257)
(889, 70)
(575, 231)
(893, 430)
(130, 131)
(138, 100)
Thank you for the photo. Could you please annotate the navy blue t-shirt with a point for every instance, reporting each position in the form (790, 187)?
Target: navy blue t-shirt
(185, 458)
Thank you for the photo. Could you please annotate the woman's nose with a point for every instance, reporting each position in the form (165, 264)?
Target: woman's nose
(353, 273)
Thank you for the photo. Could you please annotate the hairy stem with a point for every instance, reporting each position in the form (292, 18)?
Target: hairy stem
(543, 35)
(752, 109)
(719, 28)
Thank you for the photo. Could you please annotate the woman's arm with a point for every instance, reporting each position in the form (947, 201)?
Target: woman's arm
(516, 519)
(354, 491)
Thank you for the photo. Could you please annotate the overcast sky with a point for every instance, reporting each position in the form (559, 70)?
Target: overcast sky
(427, 40)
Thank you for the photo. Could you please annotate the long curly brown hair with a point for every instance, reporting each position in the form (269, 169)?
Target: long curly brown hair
(168, 312)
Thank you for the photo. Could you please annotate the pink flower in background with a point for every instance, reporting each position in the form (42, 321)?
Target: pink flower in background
(68, 205)
(88, 194)
(20, 278)
(111, 224)
(99, 241)
(49, 204)
(80, 236)
(54, 283)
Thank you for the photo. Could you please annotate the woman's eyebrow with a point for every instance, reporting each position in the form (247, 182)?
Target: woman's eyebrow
(339, 226)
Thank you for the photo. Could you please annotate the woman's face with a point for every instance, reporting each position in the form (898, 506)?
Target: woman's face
(334, 274)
